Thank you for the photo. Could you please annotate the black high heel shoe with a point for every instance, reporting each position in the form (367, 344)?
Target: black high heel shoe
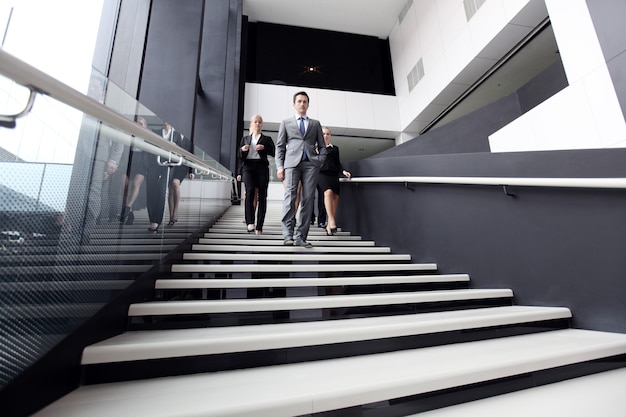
(126, 211)
(329, 231)
(333, 230)
(130, 218)
(172, 222)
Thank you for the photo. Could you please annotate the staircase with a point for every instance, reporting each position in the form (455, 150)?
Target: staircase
(245, 326)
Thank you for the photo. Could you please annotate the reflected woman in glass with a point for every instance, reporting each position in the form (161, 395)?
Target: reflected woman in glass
(177, 175)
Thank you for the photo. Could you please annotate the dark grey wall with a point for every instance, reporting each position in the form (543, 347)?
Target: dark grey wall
(561, 247)
(181, 59)
(219, 106)
(168, 83)
(129, 43)
(608, 20)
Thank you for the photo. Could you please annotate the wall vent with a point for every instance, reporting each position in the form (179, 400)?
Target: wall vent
(471, 7)
(416, 74)
(405, 10)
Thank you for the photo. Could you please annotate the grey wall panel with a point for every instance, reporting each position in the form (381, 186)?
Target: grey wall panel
(550, 246)
(608, 20)
(106, 32)
(218, 105)
(129, 43)
(168, 84)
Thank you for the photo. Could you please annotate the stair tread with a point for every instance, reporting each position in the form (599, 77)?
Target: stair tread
(180, 283)
(600, 394)
(253, 240)
(303, 388)
(288, 249)
(153, 344)
(287, 268)
(298, 303)
(277, 237)
(302, 256)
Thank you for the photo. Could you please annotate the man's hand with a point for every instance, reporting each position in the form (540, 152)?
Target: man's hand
(280, 172)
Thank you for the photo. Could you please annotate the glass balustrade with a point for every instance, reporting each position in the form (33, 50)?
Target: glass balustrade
(67, 244)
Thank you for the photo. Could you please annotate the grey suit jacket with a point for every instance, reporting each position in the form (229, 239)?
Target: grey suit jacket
(290, 143)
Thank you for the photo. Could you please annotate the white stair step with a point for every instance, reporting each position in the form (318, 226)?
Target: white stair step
(251, 240)
(288, 249)
(180, 283)
(269, 230)
(285, 268)
(156, 308)
(313, 387)
(245, 235)
(311, 257)
(155, 344)
(598, 395)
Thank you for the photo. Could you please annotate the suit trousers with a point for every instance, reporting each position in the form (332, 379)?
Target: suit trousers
(256, 175)
(305, 172)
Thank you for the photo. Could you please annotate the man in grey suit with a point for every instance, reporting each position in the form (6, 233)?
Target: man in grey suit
(300, 152)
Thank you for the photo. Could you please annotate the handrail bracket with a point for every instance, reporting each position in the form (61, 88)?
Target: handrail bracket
(9, 119)
(507, 192)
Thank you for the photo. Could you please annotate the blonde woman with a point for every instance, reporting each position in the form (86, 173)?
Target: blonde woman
(253, 154)
(328, 181)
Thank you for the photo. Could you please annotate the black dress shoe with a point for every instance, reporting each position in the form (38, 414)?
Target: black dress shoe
(130, 218)
(303, 243)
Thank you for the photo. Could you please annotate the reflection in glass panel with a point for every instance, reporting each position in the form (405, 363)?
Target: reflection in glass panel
(67, 245)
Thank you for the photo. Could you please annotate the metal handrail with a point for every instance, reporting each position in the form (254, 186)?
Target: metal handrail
(500, 181)
(36, 80)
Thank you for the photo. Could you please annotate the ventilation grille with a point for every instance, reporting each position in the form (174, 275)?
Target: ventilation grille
(471, 7)
(416, 74)
(405, 10)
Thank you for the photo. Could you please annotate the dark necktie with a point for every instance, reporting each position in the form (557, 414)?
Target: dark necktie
(302, 131)
(302, 125)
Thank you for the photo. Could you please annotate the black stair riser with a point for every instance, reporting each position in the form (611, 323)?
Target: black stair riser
(295, 316)
(401, 407)
(308, 274)
(124, 371)
(279, 292)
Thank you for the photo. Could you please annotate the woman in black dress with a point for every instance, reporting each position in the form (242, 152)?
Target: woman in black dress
(177, 175)
(328, 181)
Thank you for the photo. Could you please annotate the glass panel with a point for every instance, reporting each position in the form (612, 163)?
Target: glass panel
(67, 246)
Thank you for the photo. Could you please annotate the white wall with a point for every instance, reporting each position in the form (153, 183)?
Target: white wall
(372, 115)
(584, 115)
(456, 53)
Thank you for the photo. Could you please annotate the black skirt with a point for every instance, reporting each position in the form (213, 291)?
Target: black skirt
(328, 180)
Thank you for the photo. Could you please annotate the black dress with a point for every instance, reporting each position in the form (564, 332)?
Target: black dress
(330, 172)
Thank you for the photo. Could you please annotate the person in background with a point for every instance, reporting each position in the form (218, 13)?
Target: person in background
(253, 153)
(137, 171)
(177, 175)
(156, 182)
(328, 181)
(297, 160)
